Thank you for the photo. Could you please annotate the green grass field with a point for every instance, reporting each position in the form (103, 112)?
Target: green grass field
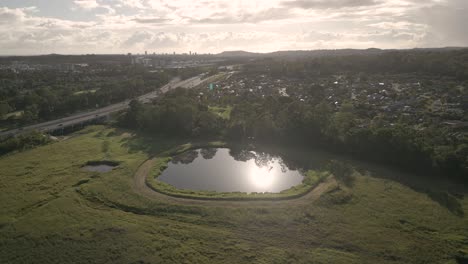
(15, 115)
(52, 211)
(223, 112)
(85, 92)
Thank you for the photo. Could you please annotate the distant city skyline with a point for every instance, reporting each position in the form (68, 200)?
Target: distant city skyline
(30, 27)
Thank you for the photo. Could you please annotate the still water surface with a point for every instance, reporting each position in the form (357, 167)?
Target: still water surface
(225, 170)
(98, 168)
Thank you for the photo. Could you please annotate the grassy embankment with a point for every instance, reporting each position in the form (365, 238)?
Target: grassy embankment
(85, 92)
(54, 212)
(13, 115)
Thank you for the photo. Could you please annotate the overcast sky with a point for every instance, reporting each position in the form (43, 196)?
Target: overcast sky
(211, 26)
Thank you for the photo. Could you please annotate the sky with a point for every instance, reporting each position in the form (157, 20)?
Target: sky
(29, 27)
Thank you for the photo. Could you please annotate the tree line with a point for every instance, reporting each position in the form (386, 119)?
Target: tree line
(23, 142)
(176, 114)
(437, 63)
(281, 120)
(47, 94)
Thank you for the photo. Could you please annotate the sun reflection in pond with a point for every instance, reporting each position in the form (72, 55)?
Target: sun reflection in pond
(262, 177)
(224, 170)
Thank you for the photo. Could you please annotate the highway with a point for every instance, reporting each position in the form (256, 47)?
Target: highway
(81, 118)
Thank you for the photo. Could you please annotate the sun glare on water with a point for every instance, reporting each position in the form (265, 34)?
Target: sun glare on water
(262, 177)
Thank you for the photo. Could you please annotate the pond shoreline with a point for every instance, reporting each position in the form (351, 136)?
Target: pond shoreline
(311, 180)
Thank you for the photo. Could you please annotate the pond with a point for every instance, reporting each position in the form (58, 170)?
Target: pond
(226, 170)
(100, 166)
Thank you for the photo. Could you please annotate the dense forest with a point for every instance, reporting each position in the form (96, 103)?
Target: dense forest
(280, 120)
(438, 63)
(178, 113)
(47, 94)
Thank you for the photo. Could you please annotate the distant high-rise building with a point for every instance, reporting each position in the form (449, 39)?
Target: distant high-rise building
(146, 53)
(190, 52)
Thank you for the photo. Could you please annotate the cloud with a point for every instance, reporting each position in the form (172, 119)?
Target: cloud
(245, 17)
(150, 20)
(139, 37)
(134, 3)
(312, 36)
(446, 23)
(120, 26)
(326, 4)
(11, 15)
(399, 25)
(86, 4)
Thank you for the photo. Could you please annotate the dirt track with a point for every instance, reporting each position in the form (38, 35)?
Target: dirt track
(139, 186)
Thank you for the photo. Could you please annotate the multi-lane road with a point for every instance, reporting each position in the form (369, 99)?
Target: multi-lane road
(84, 117)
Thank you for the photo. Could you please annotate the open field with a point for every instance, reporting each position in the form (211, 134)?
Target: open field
(52, 211)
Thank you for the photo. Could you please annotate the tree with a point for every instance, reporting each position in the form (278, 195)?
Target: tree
(4, 109)
(342, 171)
(208, 124)
(134, 113)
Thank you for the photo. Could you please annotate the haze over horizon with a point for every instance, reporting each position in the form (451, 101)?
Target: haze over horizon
(29, 27)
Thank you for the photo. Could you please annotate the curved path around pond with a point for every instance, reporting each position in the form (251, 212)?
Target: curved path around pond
(139, 186)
